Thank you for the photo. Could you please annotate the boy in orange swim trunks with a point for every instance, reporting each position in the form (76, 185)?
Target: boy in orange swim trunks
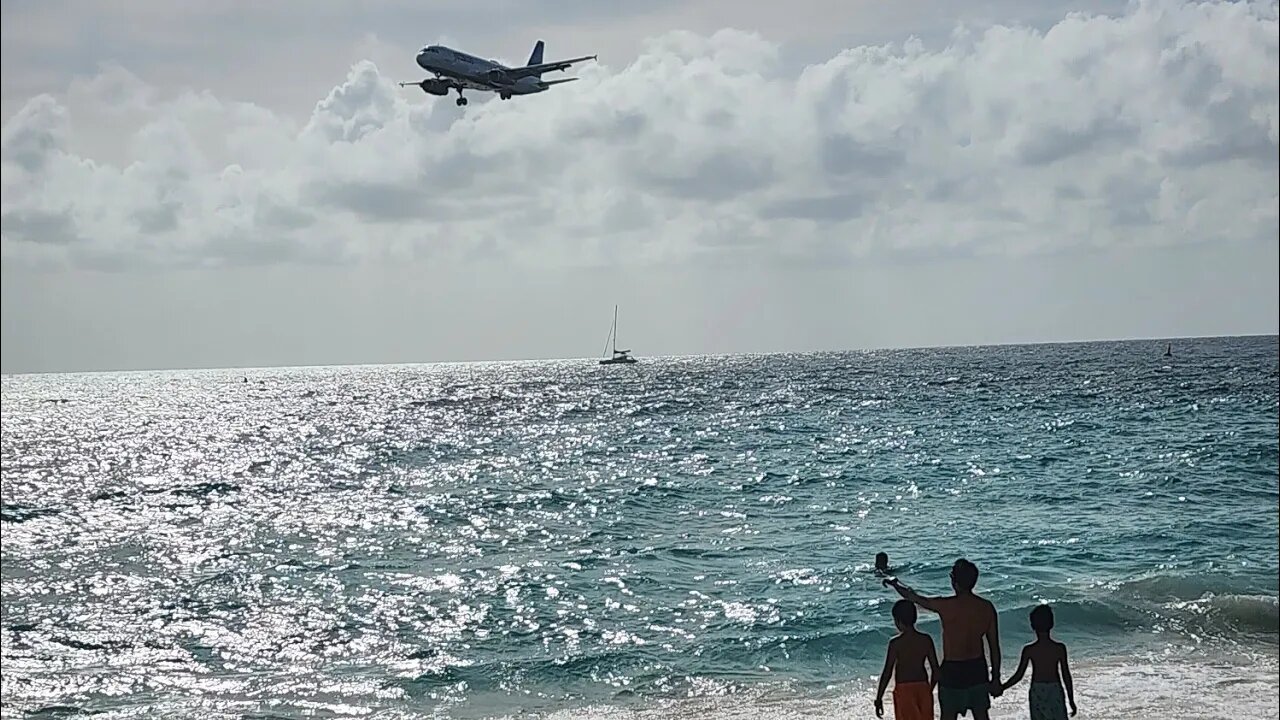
(905, 659)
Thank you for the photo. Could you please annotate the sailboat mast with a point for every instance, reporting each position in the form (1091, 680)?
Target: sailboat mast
(615, 329)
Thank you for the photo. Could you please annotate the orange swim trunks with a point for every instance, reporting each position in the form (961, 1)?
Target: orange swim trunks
(913, 701)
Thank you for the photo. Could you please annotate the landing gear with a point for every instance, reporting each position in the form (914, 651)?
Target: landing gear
(505, 96)
(461, 101)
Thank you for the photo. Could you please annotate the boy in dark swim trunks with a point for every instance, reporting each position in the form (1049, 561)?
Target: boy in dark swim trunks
(1046, 656)
(968, 622)
(905, 659)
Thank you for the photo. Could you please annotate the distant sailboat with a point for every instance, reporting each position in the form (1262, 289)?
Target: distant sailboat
(1168, 350)
(619, 357)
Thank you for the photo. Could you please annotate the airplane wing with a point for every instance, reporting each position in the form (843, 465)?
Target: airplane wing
(516, 73)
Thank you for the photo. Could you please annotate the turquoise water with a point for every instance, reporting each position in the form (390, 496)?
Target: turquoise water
(693, 536)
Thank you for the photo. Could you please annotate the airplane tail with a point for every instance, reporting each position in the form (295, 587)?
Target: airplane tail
(536, 57)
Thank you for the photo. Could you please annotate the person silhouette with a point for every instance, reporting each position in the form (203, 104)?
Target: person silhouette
(882, 564)
(967, 620)
(1047, 656)
(905, 660)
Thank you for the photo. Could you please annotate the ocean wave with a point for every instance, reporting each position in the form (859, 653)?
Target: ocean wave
(1200, 607)
(1191, 686)
(1225, 614)
(18, 513)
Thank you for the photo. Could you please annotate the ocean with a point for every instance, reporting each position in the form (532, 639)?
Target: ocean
(688, 537)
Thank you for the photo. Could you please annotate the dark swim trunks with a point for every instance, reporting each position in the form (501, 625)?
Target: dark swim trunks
(1047, 701)
(963, 686)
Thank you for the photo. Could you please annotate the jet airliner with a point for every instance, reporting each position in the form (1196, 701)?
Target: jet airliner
(459, 71)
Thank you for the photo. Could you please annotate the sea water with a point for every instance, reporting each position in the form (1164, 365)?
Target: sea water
(688, 537)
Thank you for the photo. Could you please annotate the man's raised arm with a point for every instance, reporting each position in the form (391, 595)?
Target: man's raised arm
(908, 594)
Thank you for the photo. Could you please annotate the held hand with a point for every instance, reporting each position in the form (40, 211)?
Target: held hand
(879, 708)
(995, 689)
(1073, 708)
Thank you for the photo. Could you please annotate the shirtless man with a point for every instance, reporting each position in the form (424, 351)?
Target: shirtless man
(963, 683)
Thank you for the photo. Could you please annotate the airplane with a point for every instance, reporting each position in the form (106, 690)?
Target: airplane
(459, 71)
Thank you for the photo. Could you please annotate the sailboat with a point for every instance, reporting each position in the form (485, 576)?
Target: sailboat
(619, 357)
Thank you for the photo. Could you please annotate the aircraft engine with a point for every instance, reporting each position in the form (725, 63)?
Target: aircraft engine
(434, 87)
(498, 77)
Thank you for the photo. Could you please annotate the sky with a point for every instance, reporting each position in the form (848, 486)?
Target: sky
(241, 184)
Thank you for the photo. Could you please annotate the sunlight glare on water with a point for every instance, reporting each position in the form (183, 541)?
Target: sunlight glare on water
(480, 539)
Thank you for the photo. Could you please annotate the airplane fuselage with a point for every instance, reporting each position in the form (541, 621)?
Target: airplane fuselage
(474, 73)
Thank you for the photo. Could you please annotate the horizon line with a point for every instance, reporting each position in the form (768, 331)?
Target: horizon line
(1153, 338)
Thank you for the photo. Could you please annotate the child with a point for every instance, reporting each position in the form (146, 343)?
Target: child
(882, 564)
(908, 651)
(1045, 656)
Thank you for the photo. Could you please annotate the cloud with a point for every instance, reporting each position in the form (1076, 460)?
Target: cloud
(37, 131)
(828, 207)
(40, 226)
(375, 202)
(1155, 126)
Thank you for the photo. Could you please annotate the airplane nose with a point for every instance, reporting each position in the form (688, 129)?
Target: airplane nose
(422, 57)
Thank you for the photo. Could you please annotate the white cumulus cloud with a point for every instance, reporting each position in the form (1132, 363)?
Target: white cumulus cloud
(1158, 126)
